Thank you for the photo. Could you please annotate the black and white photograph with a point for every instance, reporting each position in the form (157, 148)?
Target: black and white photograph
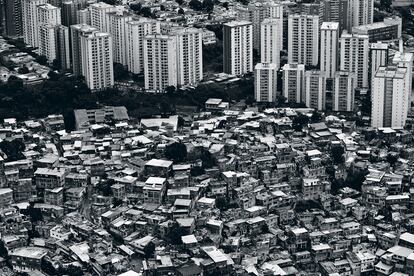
(206, 138)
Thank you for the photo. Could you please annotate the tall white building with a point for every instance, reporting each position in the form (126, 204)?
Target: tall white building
(294, 82)
(256, 12)
(303, 39)
(361, 12)
(97, 60)
(30, 21)
(48, 14)
(118, 31)
(135, 32)
(390, 97)
(189, 55)
(329, 48)
(315, 89)
(265, 82)
(238, 47)
(405, 60)
(48, 18)
(99, 15)
(271, 41)
(48, 42)
(344, 91)
(160, 62)
(378, 53)
(76, 32)
(355, 57)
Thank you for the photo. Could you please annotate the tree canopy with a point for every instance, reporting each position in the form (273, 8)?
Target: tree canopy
(177, 152)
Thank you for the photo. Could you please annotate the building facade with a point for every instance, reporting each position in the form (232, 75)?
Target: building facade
(160, 62)
(294, 82)
(189, 55)
(390, 97)
(303, 39)
(30, 21)
(315, 86)
(329, 48)
(238, 47)
(271, 44)
(265, 82)
(355, 57)
(344, 91)
(97, 60)
(136, 30)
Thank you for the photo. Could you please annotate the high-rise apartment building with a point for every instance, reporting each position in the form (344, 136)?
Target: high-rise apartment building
(265, 82)
(238, 47)
(136, 30)
(337, 11)
(189, 55)
(70, 10)
(48, 41)
(361, 12)
(97, 61)
(315, 89)
(63, 47)
(98, 15)
(30, 21)
(117, 29)
(271, 44)
(390, 97)
(256, 12)
(160, 62)
(405, 60)
(316, 8)
(378, 54)
(355, 57)
(344, 91)
(13, 18)
(329, 48)
(48, 14)
(76, 32)
(294, 82)
(303, 39)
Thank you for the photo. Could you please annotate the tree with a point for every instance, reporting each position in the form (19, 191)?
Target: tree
(196, 171)
(149, 250)
(13, 149)
(208, 5)
(281, 100)
(337, 154)
(47, 267)
(23, 70)
(104, 187)
(120, 73)
(392, 158)
(386, 4)
(170, 89)
(222, 203)
(71, 270)
(177, 152)
(316, 117)
(146, 12)
(181, 11)
(136, 7)
(299, 122)
(304, 205)
(42, 60)
(174, 234)
(196, 5)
